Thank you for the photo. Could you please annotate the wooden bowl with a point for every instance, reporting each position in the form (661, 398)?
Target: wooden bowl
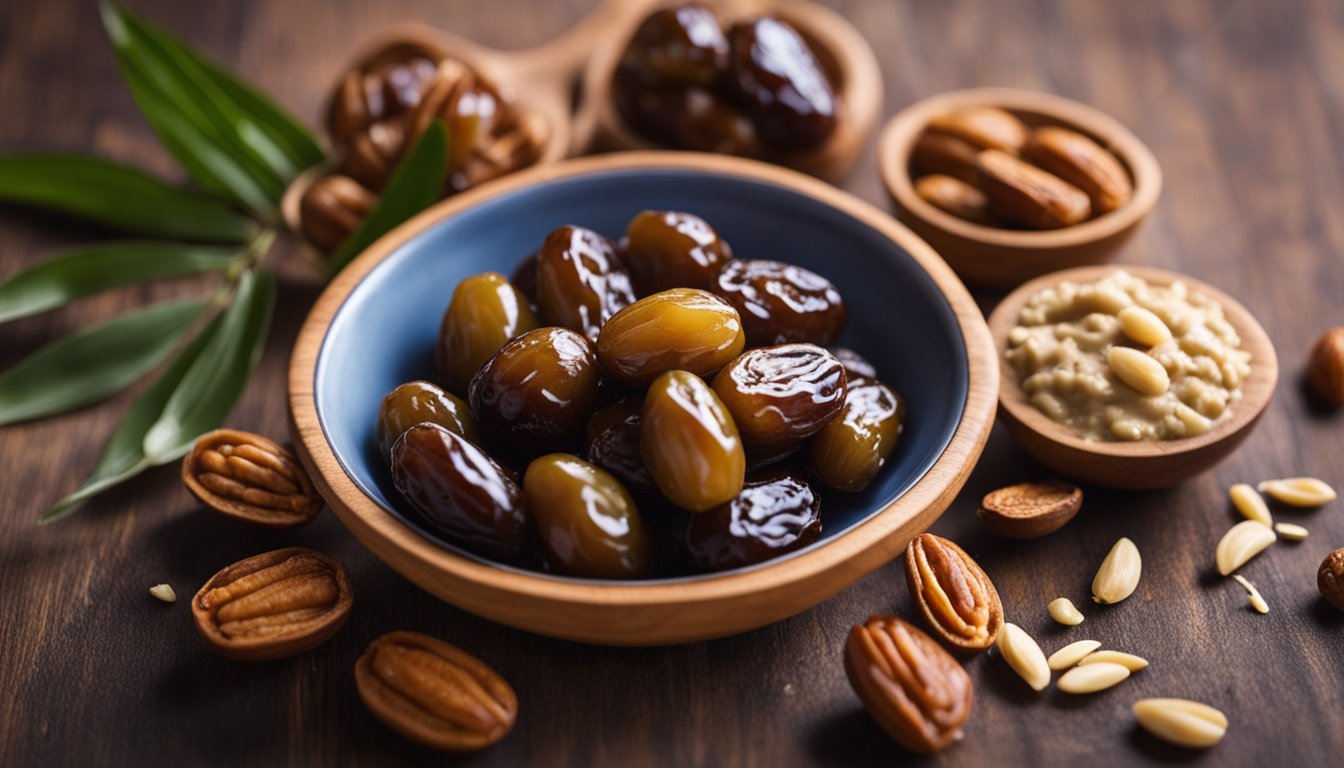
(1144, 464)
(997, 258)
(538, 81)
(376, 326)
(844, 51)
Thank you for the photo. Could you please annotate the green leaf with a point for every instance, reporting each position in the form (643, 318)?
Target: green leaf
(118, 196)
(217, 379)
(277, 127)
(416, 184)
(62, 279)
(223, 146)
(94, 363)
(193, 395)
(124, 456)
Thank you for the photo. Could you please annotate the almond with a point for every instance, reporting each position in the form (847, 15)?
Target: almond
(982, 127)
(954, 196)
(937, 153)
(1027, 194)
(1030, 510)
(1083, 163)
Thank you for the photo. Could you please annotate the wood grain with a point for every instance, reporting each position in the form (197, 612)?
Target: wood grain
(1238, 100)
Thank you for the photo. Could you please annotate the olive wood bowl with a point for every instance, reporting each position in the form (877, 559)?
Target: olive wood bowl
(842, 50)
(376, 326)
(994, 257)
(1144, 464)
(537, 80)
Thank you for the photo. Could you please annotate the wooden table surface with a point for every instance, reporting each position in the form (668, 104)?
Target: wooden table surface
(1243, 106)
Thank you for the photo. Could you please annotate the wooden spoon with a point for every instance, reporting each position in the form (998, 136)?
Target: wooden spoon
(538, 80)
(842, 50)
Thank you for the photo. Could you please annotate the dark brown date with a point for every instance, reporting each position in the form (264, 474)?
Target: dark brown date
(781, 302)
(781, 395)
(780, 82)
(461, 491)
(774, 514)
(613, 443)
(690, 443)
(484, 313)
(581, 280)
(535, 391)
(417, 402)
(849, 451)
(686, 118)
(588, 523)
(678, 46)
(670, 249)
(856, 365)
(524, 278)
(681, 329)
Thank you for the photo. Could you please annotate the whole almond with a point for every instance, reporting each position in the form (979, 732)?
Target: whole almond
(954, 196)
(250, 478)
(953, 594)
(1299, 491)
(1083, 163)
(1024, 655)
(1325, 368)
(1030, 510)
(938, 153)
(1242, 542)
(1024, 193)
(434, 693)
(982, 127)
(1181, 722)
(273, 605)
(912, 688)
(1118, 576)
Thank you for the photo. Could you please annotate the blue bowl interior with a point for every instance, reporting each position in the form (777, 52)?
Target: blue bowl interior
(384, 334)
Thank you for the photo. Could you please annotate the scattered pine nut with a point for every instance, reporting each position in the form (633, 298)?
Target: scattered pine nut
(1299, 491)
(1127, 660)
(1257, 600)
(1250, 503)
(1065, 612)
(1071, 654)
(1290, 531)
(1024, 656)
(1118, 576)
(1242, 542)
(164, 592)
(1092, 678)
(1181, 722)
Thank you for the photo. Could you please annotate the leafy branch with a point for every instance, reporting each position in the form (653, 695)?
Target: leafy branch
(241, 151)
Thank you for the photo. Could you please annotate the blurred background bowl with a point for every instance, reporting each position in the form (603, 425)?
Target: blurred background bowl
(1000, 259)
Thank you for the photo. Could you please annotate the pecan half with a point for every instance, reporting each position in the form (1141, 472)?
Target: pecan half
(953, 594)
(332, 208)
(250, 478)
(1027, 194)
(273, 605)
(434, 693)
(913, 688)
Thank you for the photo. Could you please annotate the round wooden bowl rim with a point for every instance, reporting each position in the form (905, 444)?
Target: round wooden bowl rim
(860, 92)
(922, 502)
(1257, 389)
(901, 131)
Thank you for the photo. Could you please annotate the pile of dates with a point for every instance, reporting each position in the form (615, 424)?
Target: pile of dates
(757, 89)
(670, 408)
(379, 111)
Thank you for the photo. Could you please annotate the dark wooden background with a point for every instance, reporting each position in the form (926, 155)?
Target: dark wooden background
(1241, 102)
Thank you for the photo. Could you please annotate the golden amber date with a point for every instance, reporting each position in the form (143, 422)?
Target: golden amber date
(850, 450)
(484, 314)
(690, 443)
(588, 523)
(681, 329)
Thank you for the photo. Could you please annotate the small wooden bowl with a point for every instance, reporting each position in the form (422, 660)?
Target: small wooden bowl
(842, 49)
(538, 81)
(376, 326)
(1145, 464)
(997, 258)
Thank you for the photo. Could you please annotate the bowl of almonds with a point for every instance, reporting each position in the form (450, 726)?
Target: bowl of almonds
(1010, 184)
